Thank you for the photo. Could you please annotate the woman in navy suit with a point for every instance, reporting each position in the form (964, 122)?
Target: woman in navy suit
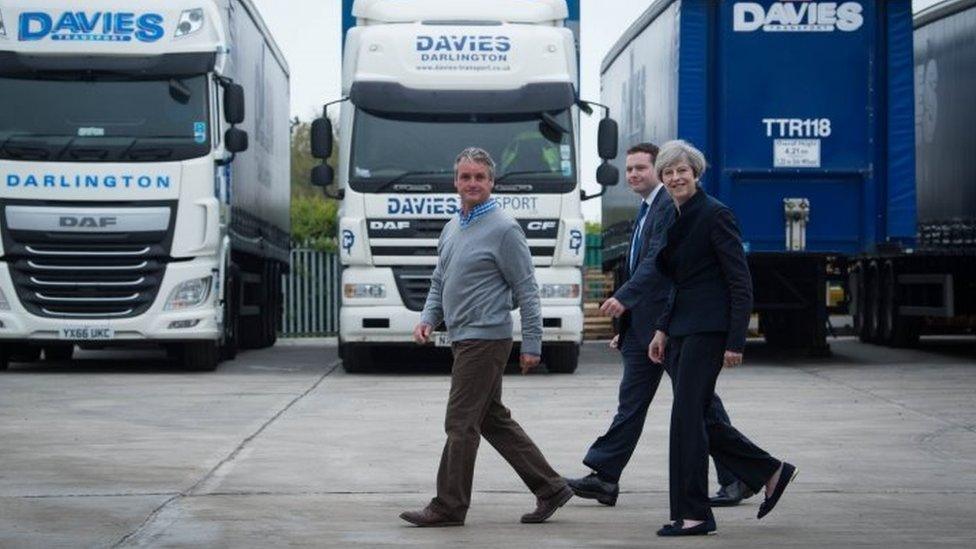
(703, 329)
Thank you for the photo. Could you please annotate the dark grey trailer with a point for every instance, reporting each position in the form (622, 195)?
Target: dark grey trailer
(931, 288)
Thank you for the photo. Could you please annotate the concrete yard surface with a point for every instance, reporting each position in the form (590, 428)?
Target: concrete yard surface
(281, 447)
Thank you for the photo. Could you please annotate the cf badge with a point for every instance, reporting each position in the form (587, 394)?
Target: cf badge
(575, 241)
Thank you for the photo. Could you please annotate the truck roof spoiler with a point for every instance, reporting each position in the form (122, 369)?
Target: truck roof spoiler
(508, 11)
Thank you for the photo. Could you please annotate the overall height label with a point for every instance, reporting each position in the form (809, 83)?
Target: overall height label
(796, 141)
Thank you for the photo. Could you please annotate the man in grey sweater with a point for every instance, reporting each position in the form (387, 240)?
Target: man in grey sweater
(484, 266)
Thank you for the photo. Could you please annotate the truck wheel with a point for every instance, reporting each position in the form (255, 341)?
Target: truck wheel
(4, 358)
(24, 353)
(271, 304)
(356, 359)
(232, 320)
(200, 356)
(899, 331)
(855, 282)
(774, 329)
(58, 353)
(259, 331)
(872, 302)
(561, 359)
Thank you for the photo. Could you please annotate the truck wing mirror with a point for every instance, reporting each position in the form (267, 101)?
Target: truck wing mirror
(235, 140)
(321, 138)
(234, 103)
(607, 139)
(607, 174)
(322, 175)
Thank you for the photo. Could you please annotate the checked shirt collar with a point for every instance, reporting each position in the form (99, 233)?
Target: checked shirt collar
(477, 211)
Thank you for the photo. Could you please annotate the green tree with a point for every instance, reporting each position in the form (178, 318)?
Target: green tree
(594, 227)
(314, 221)
(314, 217)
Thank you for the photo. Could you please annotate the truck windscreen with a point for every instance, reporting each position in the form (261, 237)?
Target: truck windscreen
(93, 118)
(391, 153)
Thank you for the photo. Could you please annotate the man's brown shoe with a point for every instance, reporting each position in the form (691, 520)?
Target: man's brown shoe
(546, 507)
(427, 517)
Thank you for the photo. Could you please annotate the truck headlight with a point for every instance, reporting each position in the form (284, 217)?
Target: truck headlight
(4, 304)
(377, 291)
(559, 291)
(190, 22)
(189, 293)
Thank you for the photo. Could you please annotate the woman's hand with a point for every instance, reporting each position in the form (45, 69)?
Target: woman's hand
(655, 351)
(731, 359)
(615, 342)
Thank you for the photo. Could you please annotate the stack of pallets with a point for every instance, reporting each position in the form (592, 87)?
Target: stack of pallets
(598, 286)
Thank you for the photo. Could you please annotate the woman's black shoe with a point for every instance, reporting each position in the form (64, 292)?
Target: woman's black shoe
(786, 476)
(703, 529)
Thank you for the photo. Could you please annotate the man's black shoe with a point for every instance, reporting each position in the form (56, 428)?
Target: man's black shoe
(593, 487)
(731, 495)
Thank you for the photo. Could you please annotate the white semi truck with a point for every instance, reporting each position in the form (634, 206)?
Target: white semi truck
(132, 208)
(422, 79)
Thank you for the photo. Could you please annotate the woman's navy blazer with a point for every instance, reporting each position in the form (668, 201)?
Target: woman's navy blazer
(704, 258)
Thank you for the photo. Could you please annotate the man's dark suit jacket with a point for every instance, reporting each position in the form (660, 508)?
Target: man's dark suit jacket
(703, 257)
(645, 292)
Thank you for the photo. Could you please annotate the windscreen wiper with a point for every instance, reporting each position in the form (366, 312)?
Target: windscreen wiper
(156, 147)
(38, 146)
(179, 92)
(551, 122)
(521, 187)
(405, 175)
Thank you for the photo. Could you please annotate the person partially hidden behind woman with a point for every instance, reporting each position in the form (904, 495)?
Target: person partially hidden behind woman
(703, 329)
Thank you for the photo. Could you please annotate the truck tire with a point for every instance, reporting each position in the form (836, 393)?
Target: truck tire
(260, 331)
(271, 302)
(561, 359)
(898, 331)
(4, 358)
(232, 320)
(855, 282)
(356, 359)
(58, 353)
(24, 353)
(872, 305)
(199, 356)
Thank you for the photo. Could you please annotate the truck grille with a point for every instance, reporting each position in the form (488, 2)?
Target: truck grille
(87, 275)
(395, 242)
(413, 284)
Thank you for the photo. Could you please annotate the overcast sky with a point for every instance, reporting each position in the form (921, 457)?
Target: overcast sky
(308, 32)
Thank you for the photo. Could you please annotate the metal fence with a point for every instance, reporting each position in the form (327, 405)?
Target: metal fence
(311, 291)
(311, 294)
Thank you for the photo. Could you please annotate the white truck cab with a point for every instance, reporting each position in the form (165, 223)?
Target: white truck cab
(132, 208)
(425, 79)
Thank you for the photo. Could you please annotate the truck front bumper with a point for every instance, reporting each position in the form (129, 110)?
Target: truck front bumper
(202, 322)
(395, 324)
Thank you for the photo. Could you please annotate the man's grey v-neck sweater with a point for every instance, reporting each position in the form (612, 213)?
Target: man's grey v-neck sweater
(479, 269)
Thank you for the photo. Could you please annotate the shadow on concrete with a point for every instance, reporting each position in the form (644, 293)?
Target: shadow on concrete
(427, 361)
(283, 360)
(849, 352)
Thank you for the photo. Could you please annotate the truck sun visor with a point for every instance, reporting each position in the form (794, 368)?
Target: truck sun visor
(393, 97)
(12, 63)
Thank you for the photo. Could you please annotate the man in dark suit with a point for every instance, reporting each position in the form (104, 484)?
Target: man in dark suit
(638, 303)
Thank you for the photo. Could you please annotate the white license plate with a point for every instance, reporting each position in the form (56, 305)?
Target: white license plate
(441, 339)
(87, 333)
